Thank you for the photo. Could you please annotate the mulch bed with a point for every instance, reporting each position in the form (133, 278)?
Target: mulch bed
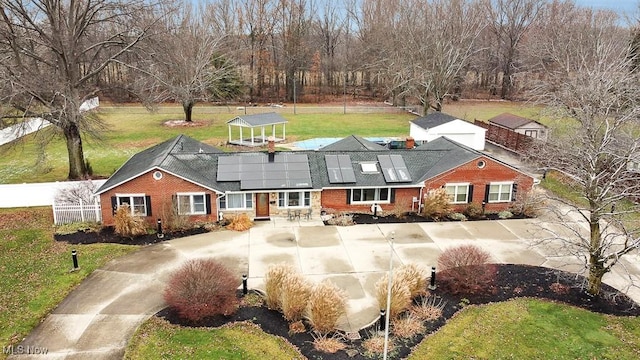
(512, 281)
(107, 235)
(413, 218)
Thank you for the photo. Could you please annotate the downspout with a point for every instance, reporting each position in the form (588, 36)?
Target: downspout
(420, 198)
(218, 205)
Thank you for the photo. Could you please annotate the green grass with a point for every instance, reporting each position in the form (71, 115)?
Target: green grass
(157, 339)
(35, 270)
(131, 129)
(532, 329)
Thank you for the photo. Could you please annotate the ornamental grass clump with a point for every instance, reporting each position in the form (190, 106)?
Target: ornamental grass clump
(128, 225)
(328, 344)
(202, 288)
(407, 326)
(240, 222)
(400, 295)
(294, 296)
(415, 277)
(327, 304)
(274, 280)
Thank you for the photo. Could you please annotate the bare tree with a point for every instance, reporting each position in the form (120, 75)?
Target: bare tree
(509, 21)
(53, 52)
(185, 63)
(293, 30)
(596, 96)
(439, 44)
(329, 26)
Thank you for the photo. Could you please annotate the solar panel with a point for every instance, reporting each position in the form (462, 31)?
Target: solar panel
(256, 172)
(394, 168)
(339, 169)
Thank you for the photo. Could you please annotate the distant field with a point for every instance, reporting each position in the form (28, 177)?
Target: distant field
(132, 128)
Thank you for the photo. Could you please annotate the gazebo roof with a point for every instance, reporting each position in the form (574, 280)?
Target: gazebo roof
(257, 120)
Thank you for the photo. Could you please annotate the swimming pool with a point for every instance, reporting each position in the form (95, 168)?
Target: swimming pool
(317, 143)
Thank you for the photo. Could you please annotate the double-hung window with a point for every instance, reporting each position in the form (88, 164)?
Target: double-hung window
(191, 204)
(237, 201)
(457, 193)
(500, 191)
(136, 202)
(294, 199)
(370, 195)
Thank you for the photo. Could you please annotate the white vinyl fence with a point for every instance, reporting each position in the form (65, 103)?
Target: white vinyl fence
(71, 213)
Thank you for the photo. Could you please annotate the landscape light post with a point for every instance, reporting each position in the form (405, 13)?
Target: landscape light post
(388, 311)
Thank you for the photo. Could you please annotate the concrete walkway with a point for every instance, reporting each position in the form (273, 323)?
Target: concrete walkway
(99, 317)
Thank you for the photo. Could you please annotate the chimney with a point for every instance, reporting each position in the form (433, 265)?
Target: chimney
(410, 143)
(271, 148)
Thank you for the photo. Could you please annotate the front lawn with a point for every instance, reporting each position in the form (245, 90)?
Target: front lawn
(532, 329)
(158, 339)
(35, 270)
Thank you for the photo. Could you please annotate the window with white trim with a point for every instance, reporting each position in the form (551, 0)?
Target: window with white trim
(370, 196)
(294, 199)
(136, 202)
(500, 192)
(237, 201)
(191, 204)
(457, 193)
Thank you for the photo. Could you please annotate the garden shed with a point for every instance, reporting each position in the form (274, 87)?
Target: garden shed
(253, 129)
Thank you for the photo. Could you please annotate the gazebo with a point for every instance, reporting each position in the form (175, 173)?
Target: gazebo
(252, 122)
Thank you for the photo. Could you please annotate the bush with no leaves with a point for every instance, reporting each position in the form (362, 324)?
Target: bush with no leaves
(128, 225)
(295, 296)
(274, 280)
(202, 288)
(473, 211)
(428, 308)
(327, 304)
(465, 269)
(400, 295)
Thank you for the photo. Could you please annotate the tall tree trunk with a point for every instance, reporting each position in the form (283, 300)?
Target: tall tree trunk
(187, 106)
(77, 165)
(596, 267)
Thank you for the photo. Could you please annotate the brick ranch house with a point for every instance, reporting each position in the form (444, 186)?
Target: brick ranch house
(353, 175)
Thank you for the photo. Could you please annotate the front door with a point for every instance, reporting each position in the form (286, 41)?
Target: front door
(262, 205)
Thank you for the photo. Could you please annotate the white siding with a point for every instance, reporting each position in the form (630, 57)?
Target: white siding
(460, 131)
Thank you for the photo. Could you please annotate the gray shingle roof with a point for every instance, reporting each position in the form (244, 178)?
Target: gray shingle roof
(182, 156)
(432, 120)
(353, 143)
(258, 119)
(510, 121)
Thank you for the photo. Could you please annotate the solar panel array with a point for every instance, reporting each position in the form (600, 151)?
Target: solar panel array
(287, 171)
(339, 169)
(394, 168)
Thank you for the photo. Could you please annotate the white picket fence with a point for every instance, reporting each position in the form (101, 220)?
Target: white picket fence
(70, 213)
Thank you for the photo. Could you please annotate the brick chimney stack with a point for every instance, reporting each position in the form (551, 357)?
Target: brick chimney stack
(271, 148)
(410, 143)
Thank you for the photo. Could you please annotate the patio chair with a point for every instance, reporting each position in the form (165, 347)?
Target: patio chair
(307, 214)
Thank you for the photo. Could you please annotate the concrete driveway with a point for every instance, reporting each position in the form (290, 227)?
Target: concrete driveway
(99, 317)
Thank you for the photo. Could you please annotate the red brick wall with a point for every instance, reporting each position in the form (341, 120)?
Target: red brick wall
(336, 199)
(160, 191)
(492, 172)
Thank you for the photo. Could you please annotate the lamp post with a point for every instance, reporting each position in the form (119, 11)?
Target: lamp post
(388, 311)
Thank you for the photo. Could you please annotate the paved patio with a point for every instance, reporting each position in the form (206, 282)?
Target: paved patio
(99, 317)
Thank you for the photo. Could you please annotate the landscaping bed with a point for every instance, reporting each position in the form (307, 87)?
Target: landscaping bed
(108, 235)
(511, 281)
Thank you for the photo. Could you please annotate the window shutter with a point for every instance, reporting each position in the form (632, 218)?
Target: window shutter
(348, 196)
(486, 193)
(174, 202)
(114, 205)
(392, 196)
(514, 190)
(147, 200)
(207, 202)
(470, 194)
